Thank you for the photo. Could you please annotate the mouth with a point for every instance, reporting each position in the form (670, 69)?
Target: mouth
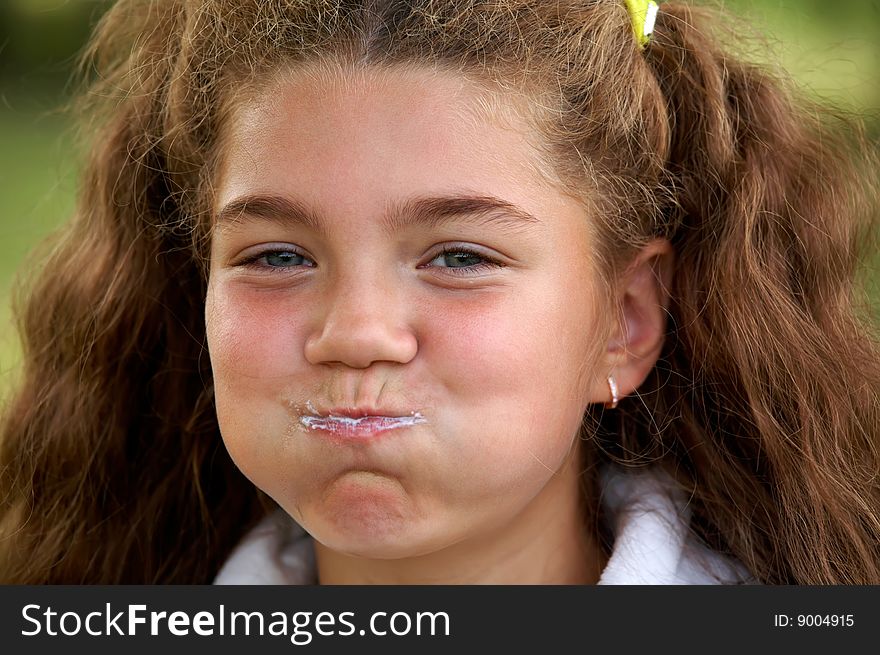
(358, 424)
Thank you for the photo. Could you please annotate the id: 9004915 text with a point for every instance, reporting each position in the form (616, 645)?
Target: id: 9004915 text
(813, 620)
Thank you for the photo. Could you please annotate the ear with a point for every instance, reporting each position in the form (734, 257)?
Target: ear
(637, 338)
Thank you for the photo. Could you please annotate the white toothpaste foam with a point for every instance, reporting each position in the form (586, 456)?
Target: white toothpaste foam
(339, 423)
(334, 423)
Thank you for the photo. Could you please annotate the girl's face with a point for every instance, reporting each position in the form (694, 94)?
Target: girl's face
(384, 249)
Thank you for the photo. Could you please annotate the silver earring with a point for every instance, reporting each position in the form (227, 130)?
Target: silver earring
(612, 384)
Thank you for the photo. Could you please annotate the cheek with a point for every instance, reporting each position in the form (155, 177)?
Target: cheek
(512, 367)
(252, 342)
(513, 346)
(251, 334)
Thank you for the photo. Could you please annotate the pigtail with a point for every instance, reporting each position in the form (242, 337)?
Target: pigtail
(769, 389)
(113, 470)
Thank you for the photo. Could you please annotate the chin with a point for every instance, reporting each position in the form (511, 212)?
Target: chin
(363, 516)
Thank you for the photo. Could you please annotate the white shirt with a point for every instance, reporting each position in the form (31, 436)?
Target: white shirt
(650, 519)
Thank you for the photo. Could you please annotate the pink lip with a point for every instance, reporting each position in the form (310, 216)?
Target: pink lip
(357, 412)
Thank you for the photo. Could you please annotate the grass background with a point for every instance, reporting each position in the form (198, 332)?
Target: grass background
(831, 48)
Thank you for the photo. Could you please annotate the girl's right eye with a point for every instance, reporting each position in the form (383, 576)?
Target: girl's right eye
(277, 260)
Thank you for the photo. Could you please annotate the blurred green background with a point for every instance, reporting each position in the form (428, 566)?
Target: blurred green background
(832, 49)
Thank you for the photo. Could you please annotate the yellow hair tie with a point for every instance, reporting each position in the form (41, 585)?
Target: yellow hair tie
(642, 13)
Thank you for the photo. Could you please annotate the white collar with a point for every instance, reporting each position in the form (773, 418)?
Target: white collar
(649, 516)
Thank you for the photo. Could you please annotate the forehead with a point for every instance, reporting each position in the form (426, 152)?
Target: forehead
(333, 131)
(419, 92)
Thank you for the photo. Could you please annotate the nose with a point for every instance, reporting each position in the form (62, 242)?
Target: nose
(361, 323)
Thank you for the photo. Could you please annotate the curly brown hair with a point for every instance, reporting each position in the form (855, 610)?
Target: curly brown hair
(765, 404)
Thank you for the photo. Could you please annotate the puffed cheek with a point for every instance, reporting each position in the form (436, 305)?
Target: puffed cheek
(252, 336)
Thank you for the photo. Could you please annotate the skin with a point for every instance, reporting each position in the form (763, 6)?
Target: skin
(501, 361)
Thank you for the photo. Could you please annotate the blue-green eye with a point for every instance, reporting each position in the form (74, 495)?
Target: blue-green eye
(459, 260)
(283, 259)
(278, 260)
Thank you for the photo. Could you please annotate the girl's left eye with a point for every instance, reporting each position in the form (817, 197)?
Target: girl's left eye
(461, 261)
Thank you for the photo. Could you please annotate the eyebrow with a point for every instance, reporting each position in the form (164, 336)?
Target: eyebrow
(418, 211)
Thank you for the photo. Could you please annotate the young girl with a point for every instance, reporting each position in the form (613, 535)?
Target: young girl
(444, 291)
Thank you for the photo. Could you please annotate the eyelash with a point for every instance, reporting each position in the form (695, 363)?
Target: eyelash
(486, 263)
